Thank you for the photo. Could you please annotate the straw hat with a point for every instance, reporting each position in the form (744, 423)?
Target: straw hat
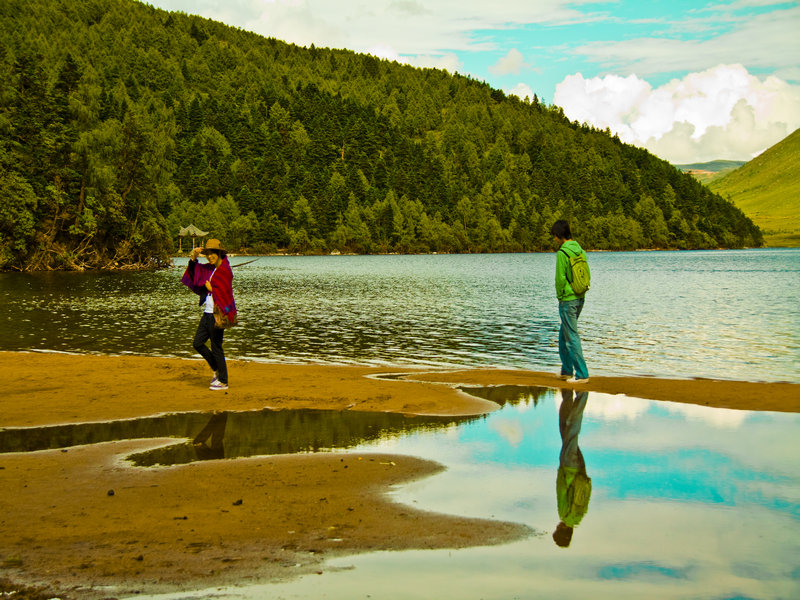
(213, 245)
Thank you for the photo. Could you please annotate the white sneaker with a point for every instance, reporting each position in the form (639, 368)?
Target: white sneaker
(218, 385)
(575, 380)
(215, 378)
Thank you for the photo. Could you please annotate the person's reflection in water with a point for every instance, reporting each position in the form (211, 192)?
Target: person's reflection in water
(215, 432)
(573, 486)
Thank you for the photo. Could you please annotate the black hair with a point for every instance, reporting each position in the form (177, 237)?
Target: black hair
(562, 536)
(561, 230)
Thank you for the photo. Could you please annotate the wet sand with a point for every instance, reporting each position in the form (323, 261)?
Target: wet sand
(252, 519)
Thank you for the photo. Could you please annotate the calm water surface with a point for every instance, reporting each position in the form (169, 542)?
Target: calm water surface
(726, 314)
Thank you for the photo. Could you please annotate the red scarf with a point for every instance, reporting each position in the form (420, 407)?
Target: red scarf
(221, 278)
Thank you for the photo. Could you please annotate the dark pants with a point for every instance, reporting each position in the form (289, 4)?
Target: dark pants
(214, 357)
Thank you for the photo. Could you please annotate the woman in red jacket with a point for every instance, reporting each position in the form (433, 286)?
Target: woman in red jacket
(213, 283)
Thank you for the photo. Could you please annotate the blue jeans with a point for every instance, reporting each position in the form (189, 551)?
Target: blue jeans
(569, 342)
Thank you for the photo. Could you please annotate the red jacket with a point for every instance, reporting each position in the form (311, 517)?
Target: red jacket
(197, 274)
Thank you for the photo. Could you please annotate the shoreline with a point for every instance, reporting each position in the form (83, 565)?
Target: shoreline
(145, 268)
(263, 518)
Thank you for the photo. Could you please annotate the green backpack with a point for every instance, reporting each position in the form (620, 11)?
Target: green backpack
(581, 493)
(581, 279)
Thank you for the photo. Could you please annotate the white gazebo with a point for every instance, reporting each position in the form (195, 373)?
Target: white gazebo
(193, 232)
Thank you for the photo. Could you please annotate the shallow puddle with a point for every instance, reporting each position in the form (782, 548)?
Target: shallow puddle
(629, 498)
(229, 434)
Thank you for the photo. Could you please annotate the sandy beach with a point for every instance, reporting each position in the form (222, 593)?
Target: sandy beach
(82, 518)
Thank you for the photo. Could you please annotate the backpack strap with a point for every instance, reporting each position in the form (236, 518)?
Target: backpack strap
(568, 272)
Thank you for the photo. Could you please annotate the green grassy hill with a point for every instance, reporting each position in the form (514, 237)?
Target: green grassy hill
(767, 189)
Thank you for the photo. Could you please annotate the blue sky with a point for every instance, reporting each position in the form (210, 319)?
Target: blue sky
(689, 80)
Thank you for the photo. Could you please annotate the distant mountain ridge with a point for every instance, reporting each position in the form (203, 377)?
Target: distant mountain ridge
(767, 189)
(715, 166)
(709, 171)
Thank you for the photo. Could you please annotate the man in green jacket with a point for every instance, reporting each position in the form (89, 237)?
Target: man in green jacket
(570, 305)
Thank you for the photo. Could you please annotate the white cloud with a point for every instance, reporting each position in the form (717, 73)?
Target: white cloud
(721, 418)
(449, 62)
(522, 91)
(413, 27)
(719, 113)
(511, 431)
(511, 64)
(411, 7)
(607, 407)
(383, 51)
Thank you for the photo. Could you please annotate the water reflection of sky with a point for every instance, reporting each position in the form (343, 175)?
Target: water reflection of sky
(686, 502)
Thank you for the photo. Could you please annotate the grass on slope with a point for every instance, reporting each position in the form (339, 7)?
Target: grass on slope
(767, 189)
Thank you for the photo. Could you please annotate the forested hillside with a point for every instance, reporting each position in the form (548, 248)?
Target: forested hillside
(767, 189)
(119, 123)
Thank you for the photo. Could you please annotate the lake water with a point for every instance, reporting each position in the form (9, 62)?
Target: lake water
(725, 314)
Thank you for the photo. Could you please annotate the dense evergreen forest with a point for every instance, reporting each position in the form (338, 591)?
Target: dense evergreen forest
(120, 123)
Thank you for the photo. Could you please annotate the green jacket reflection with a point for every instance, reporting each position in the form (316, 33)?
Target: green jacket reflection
(573, 491)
